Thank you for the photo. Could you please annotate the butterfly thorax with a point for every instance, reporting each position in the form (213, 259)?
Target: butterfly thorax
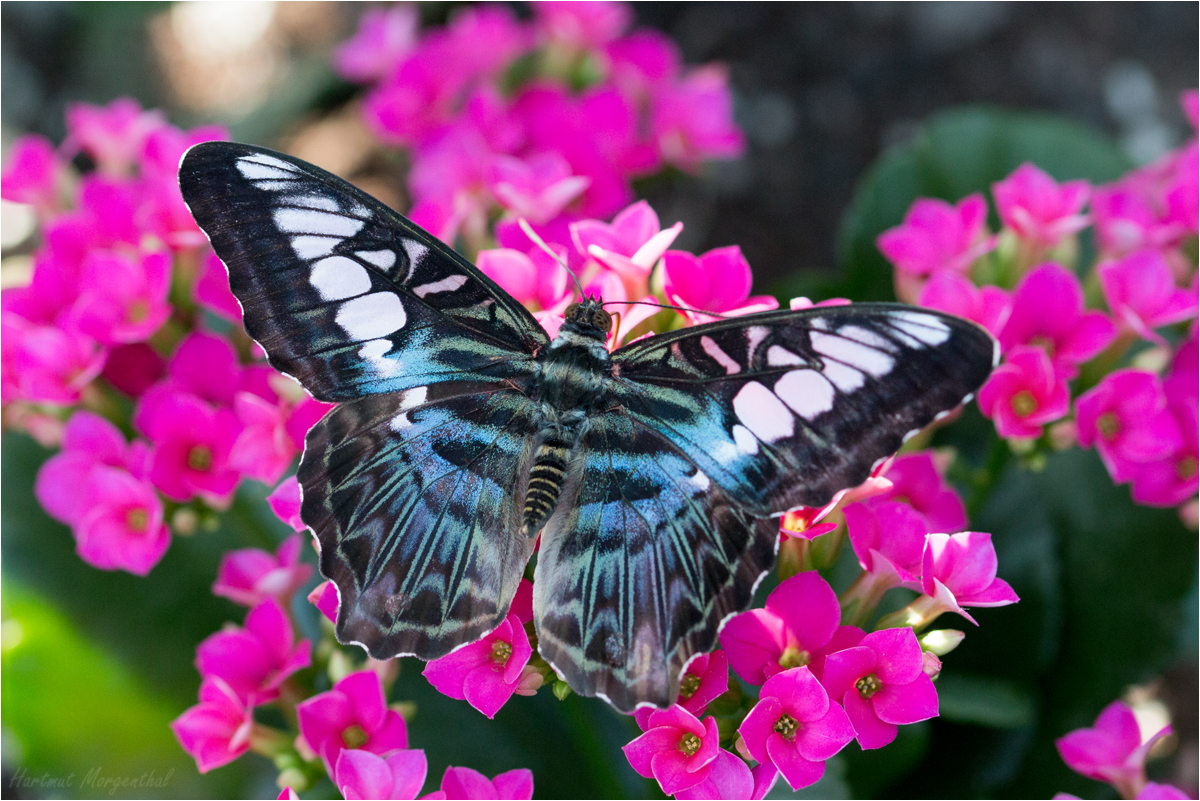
(569, 385)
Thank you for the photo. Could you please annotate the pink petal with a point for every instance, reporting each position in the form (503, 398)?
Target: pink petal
(360, 774)
(844, 668)
(869, 729)
(796, 770)
(820, 739)
(809, 608)
(485, 689)
(899, 655)
(514, 784)
(906, 703)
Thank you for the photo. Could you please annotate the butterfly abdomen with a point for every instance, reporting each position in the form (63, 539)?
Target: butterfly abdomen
(546, 481)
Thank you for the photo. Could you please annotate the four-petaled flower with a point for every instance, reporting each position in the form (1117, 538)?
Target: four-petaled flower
(255, 660)
(354, 714)
(676, 750)
(1039, 209)
(1111, 750)
(1025, 393)
(485, 673)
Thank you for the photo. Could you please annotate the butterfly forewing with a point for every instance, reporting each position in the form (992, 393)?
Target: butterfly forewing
(343, 293)
(787, 408)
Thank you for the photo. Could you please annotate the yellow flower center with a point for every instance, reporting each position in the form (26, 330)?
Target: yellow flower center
(353, 736)
(1024, 404)
(688, 687)
(1185, 468)
(690, 744)
(200, 457)
(501, 651)
(137, 519)
(1108, 425)
(786, 727)
(867, 686)
(793, 657)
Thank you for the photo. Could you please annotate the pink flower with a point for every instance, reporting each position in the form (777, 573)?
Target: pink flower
(122, 527)
(916, 480)
(1024, 393)
(34, 174)
(325, 597)
(950, 292)
(263, 450)
(47, 364)
(1154, 790)
(466, 783)
(285, 503)
(630, 245)
(1112, 750)
(730, 777)
(353, 714)
(881, 684)
(642, 63)
(384, 37)
(676, 750)
(582, 25)
(716, 281)
(959, 570)
(1127, 218)
(361, 774)
(1141, 292)
(112, 135)
(217, 730)
(248, 576)
(795, 727)
(485, 673)
(795, 627)
(534, 279)
(804, 522)
(537, 188)
(254, 661)
(1039, 209)
(192, 443)
(123, 299)
(134, 368)
(938, 236)
(1047, 310)
(888, 538)
(1171, 481)
(1126, 417)
(705, 679)
(213, 292)
(691, 120)
(205, 365)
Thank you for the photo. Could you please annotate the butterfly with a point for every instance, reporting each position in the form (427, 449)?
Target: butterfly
(655, 474)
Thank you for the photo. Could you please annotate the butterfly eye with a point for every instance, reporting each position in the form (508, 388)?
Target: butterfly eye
(570, 312)
(602, 320)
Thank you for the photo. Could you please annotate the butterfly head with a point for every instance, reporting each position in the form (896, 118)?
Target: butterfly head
(588, 318)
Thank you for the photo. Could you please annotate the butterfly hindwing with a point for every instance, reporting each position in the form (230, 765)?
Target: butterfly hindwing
(343, 293)
(786, 408)
(411, 499)
(640, 565)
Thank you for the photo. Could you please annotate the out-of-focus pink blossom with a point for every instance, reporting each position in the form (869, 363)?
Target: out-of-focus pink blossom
(959, 570)
(122, 526)
(916, 481)
(630, 245)
(192, 443)
(263, 450)
(325, 597)
(124, 299)
(384, 37)
(706, 678)
(248, 576)
(716, 281)
(1048, 311)
(534, 279)
(466, 783)
(134, 368)
(354, 714)
(213, 292)
(1024, 393)
(254, 661)
(888, 538)
(217, 730)
(794, 628)
(484, 673)
(361, 774)
(34, 174)
(113, 135)
(1140, 289)
(730, 777)
(204, 366)
(804, 522)
(936, 235)
(48, 364)
(89, 441)
(1126, 417)
(1161, 792)
(692, 119)
(677, 750)
(1039, 209)
(284, 501)
(1127, 218)
(537, 188)
(881, 684)
(1111, 750)
(304, 415)
(1183, 191)
(1171, 481)
(950, 292)
(581, 26)
(643, 62)
(796, 727)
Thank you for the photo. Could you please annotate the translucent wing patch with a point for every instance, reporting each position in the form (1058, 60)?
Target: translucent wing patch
(639, 566)
(411, 499)
(342, 292)
(787, 408)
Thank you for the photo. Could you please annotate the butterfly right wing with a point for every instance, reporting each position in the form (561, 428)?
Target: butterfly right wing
(411, 497)
(343, 293)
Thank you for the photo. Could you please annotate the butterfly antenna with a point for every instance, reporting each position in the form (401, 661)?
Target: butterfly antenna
(665, 306)
(537, 240)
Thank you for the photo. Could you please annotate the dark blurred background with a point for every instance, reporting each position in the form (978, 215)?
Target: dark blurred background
(822, 90)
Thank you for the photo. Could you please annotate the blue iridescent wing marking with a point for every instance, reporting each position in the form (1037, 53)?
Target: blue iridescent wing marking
(411, 498)
(343, 293)
(786, 408)
(642, 562)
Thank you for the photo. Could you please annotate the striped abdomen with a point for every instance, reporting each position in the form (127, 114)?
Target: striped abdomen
(545, 483)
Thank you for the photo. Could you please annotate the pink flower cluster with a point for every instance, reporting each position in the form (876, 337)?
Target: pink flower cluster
(1143, 224)
(825, 681)
(1113, 751)
(596, 106)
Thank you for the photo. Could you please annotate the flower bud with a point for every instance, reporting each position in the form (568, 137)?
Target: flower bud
(942, 641)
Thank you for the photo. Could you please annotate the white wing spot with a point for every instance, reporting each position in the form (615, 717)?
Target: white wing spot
(781, 357)
(413, 398)
(862, 357)
(374, 352)
(925, 328)
(311, 221)
(806, 392)
(310, 247)
(371, 316)
(719, 356)
(383, 259)
(763, 413)
(261, 167)
(416, 251)
(448, 284)
(847, 379)
(868, 338)
(699, 481)
(745, 441)
(755, 334)
(338, 278)
(320, 202)
(400, 422)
